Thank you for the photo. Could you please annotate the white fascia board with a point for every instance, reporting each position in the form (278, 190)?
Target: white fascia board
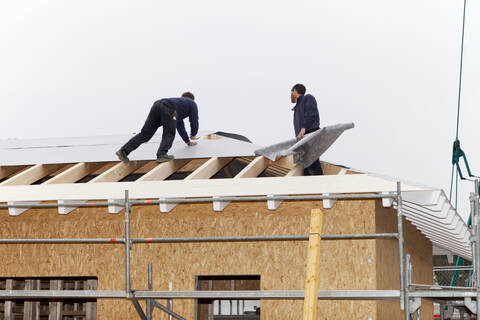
(302, 185)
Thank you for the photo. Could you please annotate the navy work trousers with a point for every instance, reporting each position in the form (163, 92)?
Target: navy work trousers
(161, 114)
(315, 169)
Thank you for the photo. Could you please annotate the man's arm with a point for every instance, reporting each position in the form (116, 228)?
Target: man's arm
(309, 113)
(193, 118)
(182, 132)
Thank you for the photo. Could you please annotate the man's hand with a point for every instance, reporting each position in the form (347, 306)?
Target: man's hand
(193, 138)
(301, 134)
(191, 144)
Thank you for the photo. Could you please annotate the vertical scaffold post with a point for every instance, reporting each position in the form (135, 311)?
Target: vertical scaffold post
(476, 219)
(127, 245)
(407, 281)
(400, 246)
(473, 240)
(150, 287)
(310, 303)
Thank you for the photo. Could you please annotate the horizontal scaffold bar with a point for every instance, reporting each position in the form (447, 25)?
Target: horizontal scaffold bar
(203, 239)
(266, 294)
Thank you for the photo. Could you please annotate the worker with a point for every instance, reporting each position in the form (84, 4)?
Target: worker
(305, 120)
(168, 113)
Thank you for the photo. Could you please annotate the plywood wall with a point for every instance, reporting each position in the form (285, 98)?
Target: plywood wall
(420, 250)
(346, 264)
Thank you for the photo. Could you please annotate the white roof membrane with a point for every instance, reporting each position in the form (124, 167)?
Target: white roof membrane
(102, 149)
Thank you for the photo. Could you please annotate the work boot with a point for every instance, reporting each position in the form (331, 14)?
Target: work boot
(122, 155)
(164, 157)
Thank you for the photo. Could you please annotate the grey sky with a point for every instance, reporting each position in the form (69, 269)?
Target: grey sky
(82, 68)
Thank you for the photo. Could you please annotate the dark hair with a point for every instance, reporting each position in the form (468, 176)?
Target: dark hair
(188, 95)
(300, 88)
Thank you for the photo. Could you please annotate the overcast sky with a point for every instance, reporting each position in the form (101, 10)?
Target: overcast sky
(86, 68)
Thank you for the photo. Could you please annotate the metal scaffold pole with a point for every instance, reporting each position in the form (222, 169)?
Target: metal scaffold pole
(400, 246)
(476, 253)
(127, 245)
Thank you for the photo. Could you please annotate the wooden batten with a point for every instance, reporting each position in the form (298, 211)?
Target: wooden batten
(310, 305)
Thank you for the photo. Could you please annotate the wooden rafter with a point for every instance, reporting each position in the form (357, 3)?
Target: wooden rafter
(295, 171)
(5, 171)
(118, 171)
(32, 174)
(254, 168)
(209, 168)
(163, 170)
(75, 173)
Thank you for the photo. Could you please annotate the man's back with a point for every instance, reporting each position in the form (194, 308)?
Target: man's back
(184, 106)
(306, 114)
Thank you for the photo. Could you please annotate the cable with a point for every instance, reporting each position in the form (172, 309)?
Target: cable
(459, 101)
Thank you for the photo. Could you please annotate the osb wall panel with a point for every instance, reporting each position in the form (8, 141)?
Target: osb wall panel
(346, 264)
(420, 250)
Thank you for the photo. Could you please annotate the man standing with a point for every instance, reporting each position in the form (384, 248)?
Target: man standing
(168, 113)
(305, 120)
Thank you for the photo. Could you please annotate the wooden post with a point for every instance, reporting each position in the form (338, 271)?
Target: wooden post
(55, 307)
(8, 306)
(91, 306)
(31, 309)
(310, 302)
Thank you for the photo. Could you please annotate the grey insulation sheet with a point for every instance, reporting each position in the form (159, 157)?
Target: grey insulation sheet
(307, 150)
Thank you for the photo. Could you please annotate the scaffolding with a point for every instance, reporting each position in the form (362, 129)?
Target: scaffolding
(409, 295)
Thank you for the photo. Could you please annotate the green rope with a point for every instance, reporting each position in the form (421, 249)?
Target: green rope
(458, 104)
(461, 67)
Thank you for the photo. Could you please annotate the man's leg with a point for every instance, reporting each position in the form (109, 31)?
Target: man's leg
(315, 169)
(169, 123)
(148, 130)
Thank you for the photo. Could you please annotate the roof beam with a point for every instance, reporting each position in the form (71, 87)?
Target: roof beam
(32, 174)
(163, 170)
(115, 174)
(75, 173)
(209, 168)
(72, 175)
(5, 171)
(205, 171)
(118, 171)
(297, 170)
(254, 168)
(328, 203)
(28, 177)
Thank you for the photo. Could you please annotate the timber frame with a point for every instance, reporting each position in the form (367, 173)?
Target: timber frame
(25, 187)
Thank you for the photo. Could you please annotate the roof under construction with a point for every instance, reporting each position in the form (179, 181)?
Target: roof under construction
(221, 165)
